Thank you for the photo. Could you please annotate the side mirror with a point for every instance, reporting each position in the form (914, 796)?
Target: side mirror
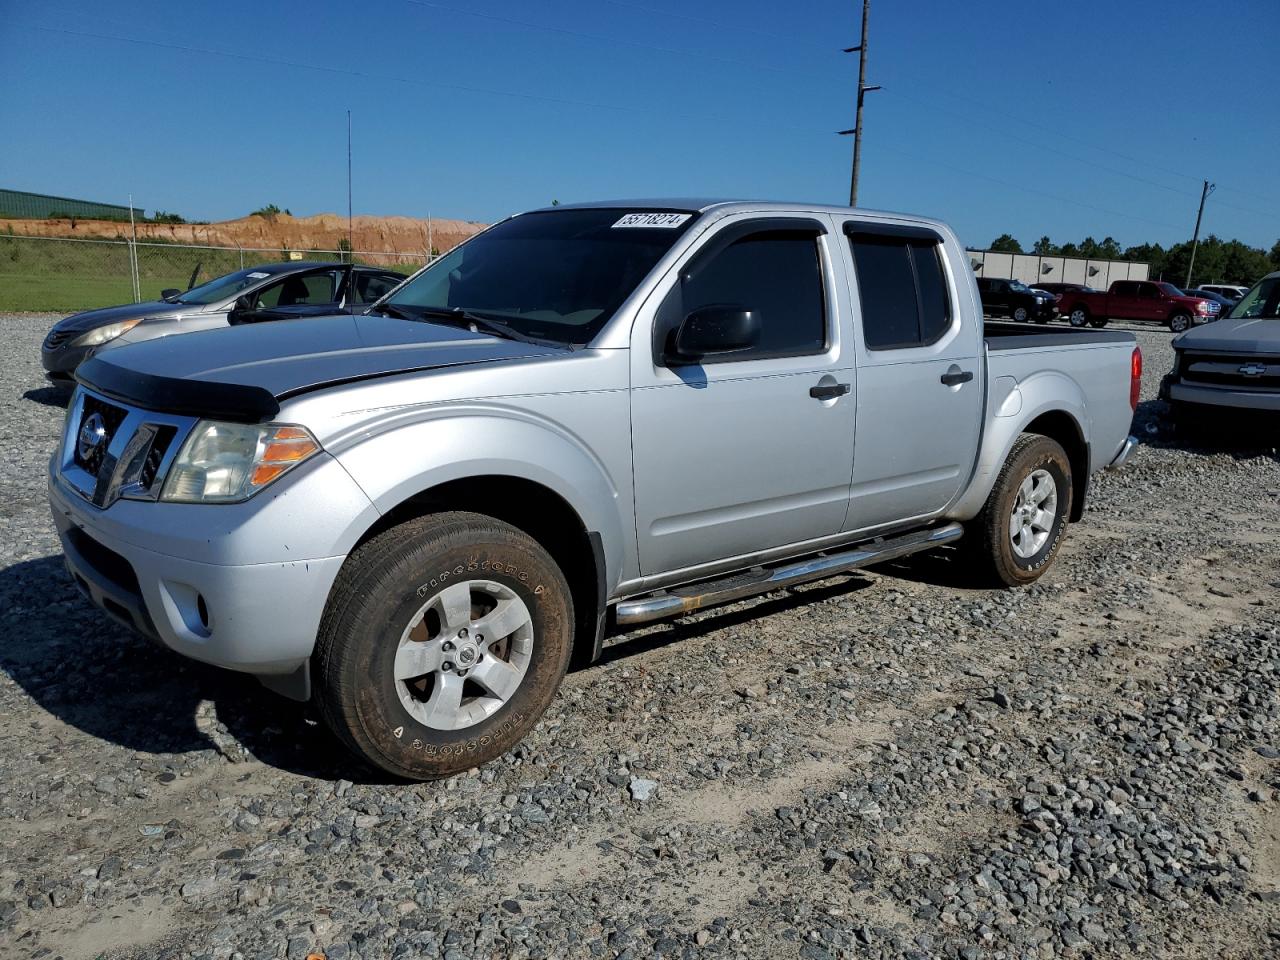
(169, 293)
(240, 310)
(714, 330)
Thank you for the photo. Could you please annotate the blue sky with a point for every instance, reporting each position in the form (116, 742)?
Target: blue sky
(1063, 119)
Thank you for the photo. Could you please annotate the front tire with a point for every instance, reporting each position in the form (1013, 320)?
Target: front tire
(1079, 317)
(443, 643)
(1020, 314)
(1020, 528)
(1180, 322)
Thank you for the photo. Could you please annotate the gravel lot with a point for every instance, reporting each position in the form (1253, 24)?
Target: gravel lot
(892, 764)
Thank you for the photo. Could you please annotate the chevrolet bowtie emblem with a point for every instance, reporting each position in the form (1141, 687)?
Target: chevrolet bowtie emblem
(1253, 370)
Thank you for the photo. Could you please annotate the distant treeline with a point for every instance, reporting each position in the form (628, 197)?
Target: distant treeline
(1217, 260)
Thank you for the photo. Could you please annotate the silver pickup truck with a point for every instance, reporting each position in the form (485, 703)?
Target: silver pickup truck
(597, 414)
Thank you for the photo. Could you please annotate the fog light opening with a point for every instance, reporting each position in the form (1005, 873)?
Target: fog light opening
(202, 610)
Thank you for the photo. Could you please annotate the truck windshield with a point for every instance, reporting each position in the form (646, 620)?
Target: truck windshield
(1263, 301)
(1169, 290)
(1019, 286)
(554, 275)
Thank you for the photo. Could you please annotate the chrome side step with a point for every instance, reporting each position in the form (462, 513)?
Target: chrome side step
(681, 600)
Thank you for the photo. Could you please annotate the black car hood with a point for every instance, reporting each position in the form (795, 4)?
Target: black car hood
(92, 319)
(242, 372)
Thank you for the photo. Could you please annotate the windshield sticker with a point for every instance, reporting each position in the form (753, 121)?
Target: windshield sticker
(666, 221)
(258, 276)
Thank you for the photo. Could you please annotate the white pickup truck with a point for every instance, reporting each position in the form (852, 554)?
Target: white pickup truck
(610, 412)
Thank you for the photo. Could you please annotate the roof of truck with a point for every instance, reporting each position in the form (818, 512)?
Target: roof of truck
(703, 204)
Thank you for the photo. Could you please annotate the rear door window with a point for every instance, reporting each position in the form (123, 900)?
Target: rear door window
(373, 286)
(902, 288)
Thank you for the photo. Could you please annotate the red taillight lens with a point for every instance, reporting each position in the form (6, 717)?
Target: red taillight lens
(1135, 377)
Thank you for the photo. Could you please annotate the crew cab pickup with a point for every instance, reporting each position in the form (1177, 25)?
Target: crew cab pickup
(1150, 300)
(583, 416)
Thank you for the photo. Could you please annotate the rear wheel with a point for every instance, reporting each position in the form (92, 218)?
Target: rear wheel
(1020, 528)
(1180, 322)
(1078, 317)
(443, 642)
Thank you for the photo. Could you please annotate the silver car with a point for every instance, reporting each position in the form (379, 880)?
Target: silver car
(274, 291)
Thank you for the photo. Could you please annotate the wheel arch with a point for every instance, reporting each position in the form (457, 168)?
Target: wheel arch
(1050, 404)
(536, 478)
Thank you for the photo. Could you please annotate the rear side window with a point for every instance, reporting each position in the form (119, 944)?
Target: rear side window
(902, 289)
(372, 286)
(776, 274)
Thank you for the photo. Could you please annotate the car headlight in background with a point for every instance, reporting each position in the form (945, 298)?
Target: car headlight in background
(230, 462)
(102, 334)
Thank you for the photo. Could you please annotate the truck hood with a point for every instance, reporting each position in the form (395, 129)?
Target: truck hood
(93, 319)
(1242, 335)
(241, 372)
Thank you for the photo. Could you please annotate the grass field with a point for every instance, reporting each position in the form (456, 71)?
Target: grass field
(68, 276)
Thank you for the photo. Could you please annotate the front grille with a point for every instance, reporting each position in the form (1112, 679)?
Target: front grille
(57, 338)
(105, 561)
(1226, 370)
(112, 416)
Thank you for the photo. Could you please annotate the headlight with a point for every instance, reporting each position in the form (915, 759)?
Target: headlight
(103, 334)
(230, 462)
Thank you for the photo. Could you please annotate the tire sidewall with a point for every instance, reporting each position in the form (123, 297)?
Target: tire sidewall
(1045, 455)
(1083, 316)
(405, 743)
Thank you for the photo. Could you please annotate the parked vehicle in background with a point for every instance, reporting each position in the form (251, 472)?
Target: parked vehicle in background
(1002, 297)
(1224, 303)
(273, 291)
(416, 516)
(1229, 290)
(1057, 289)
(1232, 365)
(1151, 301)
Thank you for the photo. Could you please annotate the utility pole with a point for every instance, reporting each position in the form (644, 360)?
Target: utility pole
(350, 236)
(1195, 240)
(863, 89)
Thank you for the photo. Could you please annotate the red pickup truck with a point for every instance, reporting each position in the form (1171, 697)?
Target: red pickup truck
(1151, 300)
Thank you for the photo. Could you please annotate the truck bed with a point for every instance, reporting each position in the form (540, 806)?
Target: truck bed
(1013, 336)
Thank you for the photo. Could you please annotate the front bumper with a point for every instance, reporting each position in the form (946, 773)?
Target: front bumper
(61, 362)
(1047, 310)
(259, 618)
(1209, 396)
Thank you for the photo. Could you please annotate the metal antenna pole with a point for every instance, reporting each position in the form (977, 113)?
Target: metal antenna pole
(863, 89)
(1195, 239)
(350, 236)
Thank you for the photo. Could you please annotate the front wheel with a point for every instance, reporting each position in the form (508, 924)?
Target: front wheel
(1179, 322)
(443, 642)
(1020, 314)
(1020, 528)
(1078, 317)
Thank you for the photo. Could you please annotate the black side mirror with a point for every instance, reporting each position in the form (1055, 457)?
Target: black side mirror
(240, 311)
(169, 293)
(717, 329)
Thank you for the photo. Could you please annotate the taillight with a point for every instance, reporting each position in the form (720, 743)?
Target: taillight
(1135, 377)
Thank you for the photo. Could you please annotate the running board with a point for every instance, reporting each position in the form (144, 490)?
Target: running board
(682, 600)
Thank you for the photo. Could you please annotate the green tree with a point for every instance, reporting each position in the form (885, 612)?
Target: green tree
(1005, 244)
(1274, 256)
(1045, 247)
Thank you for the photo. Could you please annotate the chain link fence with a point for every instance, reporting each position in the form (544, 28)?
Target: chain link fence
(64, 275)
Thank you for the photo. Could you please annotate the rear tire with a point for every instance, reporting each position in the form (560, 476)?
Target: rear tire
(1017, 535)
(1079, 317)
(420, 597)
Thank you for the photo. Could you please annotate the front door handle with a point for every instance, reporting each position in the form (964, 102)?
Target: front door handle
(955, 375)
(828, 391)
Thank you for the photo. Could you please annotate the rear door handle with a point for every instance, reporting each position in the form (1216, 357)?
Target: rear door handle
(955, 375)
(828, 391)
